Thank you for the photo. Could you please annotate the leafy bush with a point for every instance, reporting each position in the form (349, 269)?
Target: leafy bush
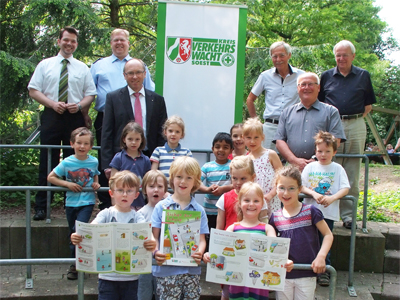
(18, 167)
(382, 207)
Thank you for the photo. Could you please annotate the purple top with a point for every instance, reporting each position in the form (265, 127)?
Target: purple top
(303, 234)
(139, 165)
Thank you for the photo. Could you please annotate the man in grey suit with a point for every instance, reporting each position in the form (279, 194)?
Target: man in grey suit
(120, 109)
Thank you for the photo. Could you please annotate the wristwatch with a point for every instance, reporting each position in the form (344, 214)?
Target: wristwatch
(79, 106)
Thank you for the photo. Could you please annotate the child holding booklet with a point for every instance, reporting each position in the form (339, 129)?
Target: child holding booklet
(124, 188)
(300, 222)
(176, 282)
(251, 200)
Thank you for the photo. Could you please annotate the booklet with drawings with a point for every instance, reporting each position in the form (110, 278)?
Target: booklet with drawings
(252, 260)
(180, 236)
(113, 247)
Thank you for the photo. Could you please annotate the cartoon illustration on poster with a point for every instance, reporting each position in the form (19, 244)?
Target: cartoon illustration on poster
(180, 236)
(251, 260)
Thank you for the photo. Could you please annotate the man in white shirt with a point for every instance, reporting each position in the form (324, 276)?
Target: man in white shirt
(280, 86)
(66, 103)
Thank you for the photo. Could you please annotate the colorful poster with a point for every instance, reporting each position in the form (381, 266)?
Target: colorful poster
(180, 236)
(113, 247)
(251, 260)
(200, 66)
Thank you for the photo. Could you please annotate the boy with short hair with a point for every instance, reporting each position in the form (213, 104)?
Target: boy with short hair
(326, 181)
(216, 175)
(124, 188)
(80, 170)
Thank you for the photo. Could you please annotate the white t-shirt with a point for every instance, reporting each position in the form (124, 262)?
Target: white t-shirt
(147, 211)
(109, 215)
(325, 180)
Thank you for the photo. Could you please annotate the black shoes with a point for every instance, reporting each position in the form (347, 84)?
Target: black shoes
(72, 273)
(39, 215)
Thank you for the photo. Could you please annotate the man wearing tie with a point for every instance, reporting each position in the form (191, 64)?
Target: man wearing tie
(64, 86)
(132, 103)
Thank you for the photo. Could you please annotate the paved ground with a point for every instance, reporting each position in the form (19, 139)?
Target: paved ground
(50, 282)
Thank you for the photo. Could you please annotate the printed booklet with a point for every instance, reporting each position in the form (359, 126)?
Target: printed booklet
(180, 236)
(113, 247)
(251, 260)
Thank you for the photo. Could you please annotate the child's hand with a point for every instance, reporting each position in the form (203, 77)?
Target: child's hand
(107, 173)
(317, 196)
(160, 257)
(76, 188)
(216, 190)
(318, 265)
(95, 186)
(76, 239)
(150, 245)
(197, 257)
(206, 257)
(327, 200)
(289, 265)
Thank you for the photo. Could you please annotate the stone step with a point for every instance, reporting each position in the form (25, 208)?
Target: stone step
(392, 262)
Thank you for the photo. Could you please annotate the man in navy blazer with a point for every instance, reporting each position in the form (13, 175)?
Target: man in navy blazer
(119, 110)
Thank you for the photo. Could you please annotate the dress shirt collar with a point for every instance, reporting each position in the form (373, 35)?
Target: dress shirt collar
(316, 105)
(290, 70)
(141, 92)
(353, 70)
(169, 149)
(114, 58)
(171, 204)
(61, 58)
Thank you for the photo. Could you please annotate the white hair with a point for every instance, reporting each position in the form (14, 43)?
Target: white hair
(345, 43)
(279, 44)
(308, 74)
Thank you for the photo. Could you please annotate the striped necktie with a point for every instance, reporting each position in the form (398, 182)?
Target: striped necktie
(63, 85)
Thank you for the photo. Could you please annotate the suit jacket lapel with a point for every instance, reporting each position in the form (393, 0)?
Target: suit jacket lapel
(126, 103)
(149, 107)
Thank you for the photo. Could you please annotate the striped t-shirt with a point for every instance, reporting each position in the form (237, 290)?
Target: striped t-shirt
(214, 173)
(166, 155)
(260, 228)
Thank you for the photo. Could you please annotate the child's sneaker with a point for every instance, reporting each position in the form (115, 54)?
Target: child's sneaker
(72, 273)
(323, 279)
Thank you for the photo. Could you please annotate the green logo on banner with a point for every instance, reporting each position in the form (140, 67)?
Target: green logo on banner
(201, 51)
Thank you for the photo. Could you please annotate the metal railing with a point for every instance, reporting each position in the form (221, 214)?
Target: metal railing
(208, 155)
(81, 280)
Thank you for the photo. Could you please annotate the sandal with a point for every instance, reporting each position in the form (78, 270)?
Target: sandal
(323, 279)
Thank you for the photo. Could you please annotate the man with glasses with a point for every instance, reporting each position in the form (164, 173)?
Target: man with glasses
(132, 103)
(63, 85)
(108, 76)
(299, 123)
(279, 84)
(350, 90)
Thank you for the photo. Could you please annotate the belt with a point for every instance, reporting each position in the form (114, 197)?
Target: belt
(273, 121)
(350, 117)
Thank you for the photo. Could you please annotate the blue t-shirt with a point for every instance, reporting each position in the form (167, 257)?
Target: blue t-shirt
(80, 172)
(156, 218)
(214, 173)
(139, 165)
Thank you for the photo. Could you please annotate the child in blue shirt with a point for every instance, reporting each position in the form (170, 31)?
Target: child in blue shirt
(216, 175)
(131, 157)
(174, 282)
(162, 157)
(80, 170)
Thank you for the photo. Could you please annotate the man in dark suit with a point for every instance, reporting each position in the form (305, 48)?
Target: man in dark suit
(122, 107)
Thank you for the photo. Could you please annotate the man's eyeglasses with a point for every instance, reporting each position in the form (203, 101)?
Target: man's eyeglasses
(311, 84)
(122, 191)
(131, 74)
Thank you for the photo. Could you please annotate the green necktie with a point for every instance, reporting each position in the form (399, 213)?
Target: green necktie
(63, 85)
